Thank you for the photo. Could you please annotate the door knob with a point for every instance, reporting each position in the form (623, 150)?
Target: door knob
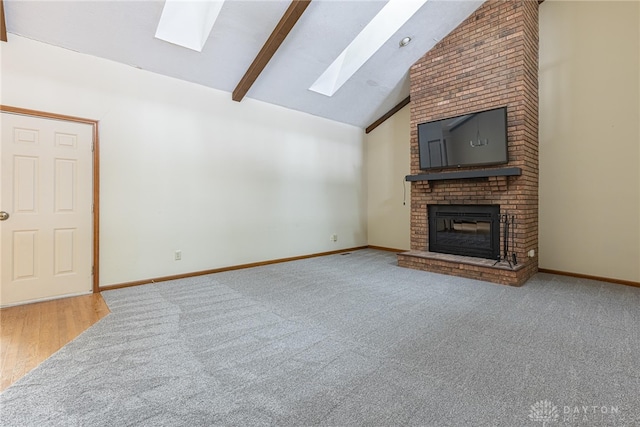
(4, 216)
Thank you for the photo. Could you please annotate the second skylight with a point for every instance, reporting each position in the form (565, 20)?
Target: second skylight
(384, 25)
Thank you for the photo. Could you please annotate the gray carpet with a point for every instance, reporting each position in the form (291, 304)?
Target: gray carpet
(345, 340)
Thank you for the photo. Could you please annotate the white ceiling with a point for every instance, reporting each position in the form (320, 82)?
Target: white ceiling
(123, 31)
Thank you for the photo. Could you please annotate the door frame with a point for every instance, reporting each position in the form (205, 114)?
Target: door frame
(96, 176)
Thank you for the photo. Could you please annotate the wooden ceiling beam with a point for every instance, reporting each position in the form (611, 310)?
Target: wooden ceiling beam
(388, 114)
(3, 24)
(288, 20)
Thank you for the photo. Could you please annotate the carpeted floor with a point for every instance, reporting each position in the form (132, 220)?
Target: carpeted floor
(345, 340)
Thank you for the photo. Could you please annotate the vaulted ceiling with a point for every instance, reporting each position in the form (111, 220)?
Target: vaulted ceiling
(124, 31)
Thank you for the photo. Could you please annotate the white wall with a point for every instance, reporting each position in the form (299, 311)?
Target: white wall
(184, 167)
(589, 138)
(388, 161)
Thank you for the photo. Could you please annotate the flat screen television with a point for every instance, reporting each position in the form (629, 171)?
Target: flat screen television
(471, 139)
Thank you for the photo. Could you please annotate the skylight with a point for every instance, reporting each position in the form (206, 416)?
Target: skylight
(385, 24)
(187, 23)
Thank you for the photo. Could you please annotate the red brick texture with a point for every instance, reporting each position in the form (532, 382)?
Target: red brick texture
(489, 61)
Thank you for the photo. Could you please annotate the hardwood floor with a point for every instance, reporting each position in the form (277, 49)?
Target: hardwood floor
(31, 333)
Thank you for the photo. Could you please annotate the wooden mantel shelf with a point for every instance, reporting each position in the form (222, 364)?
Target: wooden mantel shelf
(439, 176)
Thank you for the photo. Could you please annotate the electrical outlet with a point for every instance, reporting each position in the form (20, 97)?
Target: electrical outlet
(531, 253)
(334, 237)
(178, 255)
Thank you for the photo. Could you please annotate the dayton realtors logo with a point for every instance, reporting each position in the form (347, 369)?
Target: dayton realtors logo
(546, 412)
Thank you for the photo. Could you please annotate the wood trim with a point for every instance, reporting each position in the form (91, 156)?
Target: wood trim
(388, 114)
(96, 208)
(46, 115)
(96, 176)
(280, 32)
(223, 269)
(3, 23)
(382, 248)
(586, 276)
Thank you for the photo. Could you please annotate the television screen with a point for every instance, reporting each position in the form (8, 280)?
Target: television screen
(472, 139)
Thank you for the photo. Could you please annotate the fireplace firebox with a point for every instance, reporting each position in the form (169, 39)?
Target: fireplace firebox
(471, 230)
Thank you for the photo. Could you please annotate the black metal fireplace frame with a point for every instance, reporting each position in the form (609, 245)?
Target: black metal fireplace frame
(466, 213)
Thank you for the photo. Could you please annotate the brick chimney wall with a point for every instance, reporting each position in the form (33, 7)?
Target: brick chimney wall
(489, 61)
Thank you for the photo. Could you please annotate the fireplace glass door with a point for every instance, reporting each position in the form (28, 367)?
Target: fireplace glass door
(471, 230)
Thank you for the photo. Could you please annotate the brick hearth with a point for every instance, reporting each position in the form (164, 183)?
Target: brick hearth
(489, 61)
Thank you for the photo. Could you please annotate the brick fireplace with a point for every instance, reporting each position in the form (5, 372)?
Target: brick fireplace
(489, 61)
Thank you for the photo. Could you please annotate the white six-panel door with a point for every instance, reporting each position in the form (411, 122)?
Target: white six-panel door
(46, 191)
